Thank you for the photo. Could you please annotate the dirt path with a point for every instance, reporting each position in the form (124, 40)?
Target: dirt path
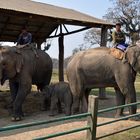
(33, 113)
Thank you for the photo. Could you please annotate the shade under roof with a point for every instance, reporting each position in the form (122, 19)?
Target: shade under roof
(41, 19)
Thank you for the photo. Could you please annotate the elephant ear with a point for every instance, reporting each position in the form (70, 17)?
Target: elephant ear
(19, 62)
(131, 57)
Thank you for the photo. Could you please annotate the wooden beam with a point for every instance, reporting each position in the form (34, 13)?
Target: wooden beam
(65, 28)
(39, 28)
(102, 92)
(103, 36)
(5, 25)
(72, 32)
(61, 57)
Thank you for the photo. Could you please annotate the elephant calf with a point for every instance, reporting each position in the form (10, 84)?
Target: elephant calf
(56, 95)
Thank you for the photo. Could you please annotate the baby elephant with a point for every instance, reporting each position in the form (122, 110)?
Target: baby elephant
(58, 94)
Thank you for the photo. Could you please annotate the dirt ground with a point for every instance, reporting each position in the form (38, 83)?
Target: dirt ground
(32, 113)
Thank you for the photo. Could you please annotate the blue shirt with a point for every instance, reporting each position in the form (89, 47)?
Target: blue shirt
(24, 38)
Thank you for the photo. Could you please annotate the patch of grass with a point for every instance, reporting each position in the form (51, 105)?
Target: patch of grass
(133, 134)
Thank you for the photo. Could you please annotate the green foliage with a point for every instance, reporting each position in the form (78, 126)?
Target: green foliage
(126, 12)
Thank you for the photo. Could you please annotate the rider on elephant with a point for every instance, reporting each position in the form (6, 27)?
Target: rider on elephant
(119, 38)
(24, 39)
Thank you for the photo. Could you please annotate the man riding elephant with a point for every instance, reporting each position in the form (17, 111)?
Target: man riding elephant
(22, 69)
(119, 38)
(97, 68)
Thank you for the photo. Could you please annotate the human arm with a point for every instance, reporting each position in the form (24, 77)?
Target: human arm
(29, 38)
(113, 37)
(19, 39)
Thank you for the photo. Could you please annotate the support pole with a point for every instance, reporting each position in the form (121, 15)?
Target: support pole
(92, 120)
(102, 92)
(61, 57)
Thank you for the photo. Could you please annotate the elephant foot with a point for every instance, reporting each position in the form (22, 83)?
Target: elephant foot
(75, 111)
(52, 114)
(67, 114)
(60, 111)
(120, 116)
(14, 119)
(43, 109)
(136, 118)
(10, 111)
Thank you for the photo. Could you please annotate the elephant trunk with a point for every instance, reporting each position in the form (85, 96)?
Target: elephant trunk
(3, 76)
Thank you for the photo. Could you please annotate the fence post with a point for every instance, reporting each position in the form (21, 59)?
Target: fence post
(92, 120)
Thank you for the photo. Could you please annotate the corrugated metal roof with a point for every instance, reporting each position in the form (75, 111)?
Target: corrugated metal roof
(38, 8)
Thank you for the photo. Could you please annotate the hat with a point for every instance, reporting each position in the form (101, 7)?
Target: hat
(118, 23)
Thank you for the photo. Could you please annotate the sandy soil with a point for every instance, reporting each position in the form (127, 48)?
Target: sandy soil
(33, 113)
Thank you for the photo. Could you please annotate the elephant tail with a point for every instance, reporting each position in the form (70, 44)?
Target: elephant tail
(75, 82)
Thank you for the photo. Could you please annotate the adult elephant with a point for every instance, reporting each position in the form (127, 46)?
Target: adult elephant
(96, 68)
(23, 68)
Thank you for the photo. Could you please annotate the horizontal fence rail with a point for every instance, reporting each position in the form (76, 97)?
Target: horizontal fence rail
(63, 133)
(91, 121)
(119, 131)
(117, 107)
(119, 119)
(12, 127)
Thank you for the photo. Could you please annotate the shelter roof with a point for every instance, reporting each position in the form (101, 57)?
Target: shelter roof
(40, 19)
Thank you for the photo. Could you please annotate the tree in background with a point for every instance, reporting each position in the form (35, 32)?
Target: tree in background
(92, 37)
(126, 12)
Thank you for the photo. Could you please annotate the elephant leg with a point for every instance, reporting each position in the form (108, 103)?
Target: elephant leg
(87, 92)
(68, 109)
(120, 100)
(54, 103)
(128, 89)
(84, 101)
(23, 90)
(131, 98)
(59, 107)
(76, 104)
(84, 104)
(13, 90)
(68, 103)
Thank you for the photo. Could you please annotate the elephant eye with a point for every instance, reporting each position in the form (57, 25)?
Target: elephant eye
(4, 64)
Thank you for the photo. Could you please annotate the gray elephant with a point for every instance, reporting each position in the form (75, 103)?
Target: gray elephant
(58, 94)
(96, 68)
(23, 68)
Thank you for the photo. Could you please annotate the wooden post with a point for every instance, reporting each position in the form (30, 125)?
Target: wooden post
(102, 93)
(103, 36)
(92, 120)
(61, 58)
